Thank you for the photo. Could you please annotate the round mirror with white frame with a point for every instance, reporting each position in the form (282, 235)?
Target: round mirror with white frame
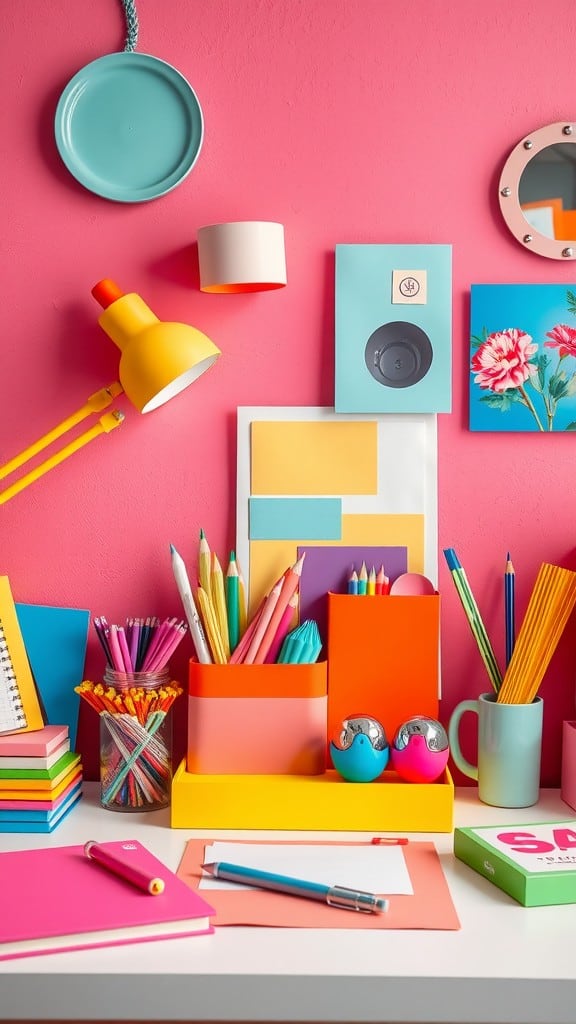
(537, 191)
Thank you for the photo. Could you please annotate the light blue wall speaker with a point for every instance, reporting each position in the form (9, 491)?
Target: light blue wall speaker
(393, 333)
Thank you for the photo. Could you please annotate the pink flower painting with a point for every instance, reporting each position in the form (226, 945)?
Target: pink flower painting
(503, 361)
(528, 371)
(563, 338)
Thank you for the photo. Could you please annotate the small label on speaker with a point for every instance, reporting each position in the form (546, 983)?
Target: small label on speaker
(409, 287)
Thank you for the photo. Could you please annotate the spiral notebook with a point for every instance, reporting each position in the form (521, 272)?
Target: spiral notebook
(20, 709)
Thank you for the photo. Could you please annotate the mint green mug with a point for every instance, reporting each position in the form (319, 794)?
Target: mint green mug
(509, 749)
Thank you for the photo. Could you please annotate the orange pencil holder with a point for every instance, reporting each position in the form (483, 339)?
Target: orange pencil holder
(383, 658)
(257, 719)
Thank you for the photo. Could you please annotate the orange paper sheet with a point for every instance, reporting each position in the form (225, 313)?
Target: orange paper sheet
(430, 906)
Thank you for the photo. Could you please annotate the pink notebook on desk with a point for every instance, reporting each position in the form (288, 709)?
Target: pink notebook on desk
(58, 900)
(38, 743)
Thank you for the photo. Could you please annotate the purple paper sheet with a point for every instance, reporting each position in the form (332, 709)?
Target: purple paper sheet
(328, 568)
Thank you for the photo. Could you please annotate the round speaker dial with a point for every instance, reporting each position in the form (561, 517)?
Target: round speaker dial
(398, 354)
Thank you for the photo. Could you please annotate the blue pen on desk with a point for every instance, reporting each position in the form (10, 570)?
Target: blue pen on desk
(334, 895)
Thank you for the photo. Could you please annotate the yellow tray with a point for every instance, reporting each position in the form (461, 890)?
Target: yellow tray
(310, 802)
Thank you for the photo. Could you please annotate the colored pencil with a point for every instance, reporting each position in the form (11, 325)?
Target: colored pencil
(363, 579)
(509, 612)
(237, 655)
(211, 627)
(218, 598)
(474, 618)
(159, 632)
(133, 634)
(204, 562)
(282, 631)
(290, 585)
(164, 652)
(115, 650)
(353, 582)
(371, 586)
(264, 621)
(233, 601)
(189, 605)
(242, 601)
(100, 633)
(120, 633)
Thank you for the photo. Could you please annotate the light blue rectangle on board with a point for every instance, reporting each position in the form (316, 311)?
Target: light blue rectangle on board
(294, 518)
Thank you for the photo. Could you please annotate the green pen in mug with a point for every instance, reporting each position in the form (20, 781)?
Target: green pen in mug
(509, 749)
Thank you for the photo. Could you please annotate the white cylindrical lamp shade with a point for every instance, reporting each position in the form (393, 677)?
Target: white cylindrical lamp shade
(242, 256)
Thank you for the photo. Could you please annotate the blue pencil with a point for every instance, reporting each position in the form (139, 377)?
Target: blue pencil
(509, 610)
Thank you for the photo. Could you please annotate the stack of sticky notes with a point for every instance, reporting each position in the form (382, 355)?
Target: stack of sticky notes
(40, 779)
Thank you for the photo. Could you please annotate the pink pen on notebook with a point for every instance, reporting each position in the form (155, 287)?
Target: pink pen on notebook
(119, 866)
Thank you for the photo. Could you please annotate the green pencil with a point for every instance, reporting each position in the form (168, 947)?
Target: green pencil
(474, 618)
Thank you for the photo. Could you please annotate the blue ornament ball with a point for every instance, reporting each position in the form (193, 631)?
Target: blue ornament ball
(359, 749)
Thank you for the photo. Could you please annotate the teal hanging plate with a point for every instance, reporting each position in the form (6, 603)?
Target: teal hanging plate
(129, 127)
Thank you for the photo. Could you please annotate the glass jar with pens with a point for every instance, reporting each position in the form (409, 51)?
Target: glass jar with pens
(136, 740)
(134, 702)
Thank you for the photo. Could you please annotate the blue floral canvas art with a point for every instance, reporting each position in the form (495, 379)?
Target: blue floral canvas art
(523, 357)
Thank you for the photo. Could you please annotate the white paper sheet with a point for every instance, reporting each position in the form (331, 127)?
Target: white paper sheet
(377, 869)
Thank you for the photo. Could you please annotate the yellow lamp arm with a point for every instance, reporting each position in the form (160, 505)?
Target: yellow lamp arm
(105, 424)
(96, 403)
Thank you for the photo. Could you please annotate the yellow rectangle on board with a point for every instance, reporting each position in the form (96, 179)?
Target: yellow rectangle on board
(297, 457)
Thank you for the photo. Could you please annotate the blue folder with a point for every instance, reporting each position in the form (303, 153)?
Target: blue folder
(55, 640)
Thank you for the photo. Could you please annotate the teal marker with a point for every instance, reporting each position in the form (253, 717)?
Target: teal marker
(334, 895)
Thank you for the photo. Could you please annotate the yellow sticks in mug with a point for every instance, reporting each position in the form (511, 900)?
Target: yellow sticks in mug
(551, 602)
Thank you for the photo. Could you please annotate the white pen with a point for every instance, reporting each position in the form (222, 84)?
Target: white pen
(334, 895)
(194, 621)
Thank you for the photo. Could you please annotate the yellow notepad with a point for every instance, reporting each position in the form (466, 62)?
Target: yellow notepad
(19, 704)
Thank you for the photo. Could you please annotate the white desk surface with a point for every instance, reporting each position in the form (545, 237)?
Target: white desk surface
(506, 964)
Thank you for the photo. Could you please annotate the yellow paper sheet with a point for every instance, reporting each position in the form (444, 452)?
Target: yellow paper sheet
(317, 458)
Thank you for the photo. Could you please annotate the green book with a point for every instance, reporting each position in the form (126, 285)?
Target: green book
(534, 863)
(59, 768)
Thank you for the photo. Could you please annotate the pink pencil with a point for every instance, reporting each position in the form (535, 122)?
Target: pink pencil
(263, 622)
(160, 633)
(167, 648)
(120, 633)
(289, 587)
(282, 631)
(116, 651)
(238, 653)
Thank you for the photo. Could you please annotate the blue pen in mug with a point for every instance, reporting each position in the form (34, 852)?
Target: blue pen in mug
(509, 749)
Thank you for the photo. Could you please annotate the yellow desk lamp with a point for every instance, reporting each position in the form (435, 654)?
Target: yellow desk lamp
(158, 360)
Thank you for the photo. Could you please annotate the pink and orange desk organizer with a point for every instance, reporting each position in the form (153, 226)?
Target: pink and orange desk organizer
(257, 719)
(257, 755)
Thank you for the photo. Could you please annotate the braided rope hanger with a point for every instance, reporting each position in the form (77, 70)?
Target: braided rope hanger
(131, 17)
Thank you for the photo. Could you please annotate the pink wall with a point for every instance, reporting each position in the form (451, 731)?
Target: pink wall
(348, 121)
